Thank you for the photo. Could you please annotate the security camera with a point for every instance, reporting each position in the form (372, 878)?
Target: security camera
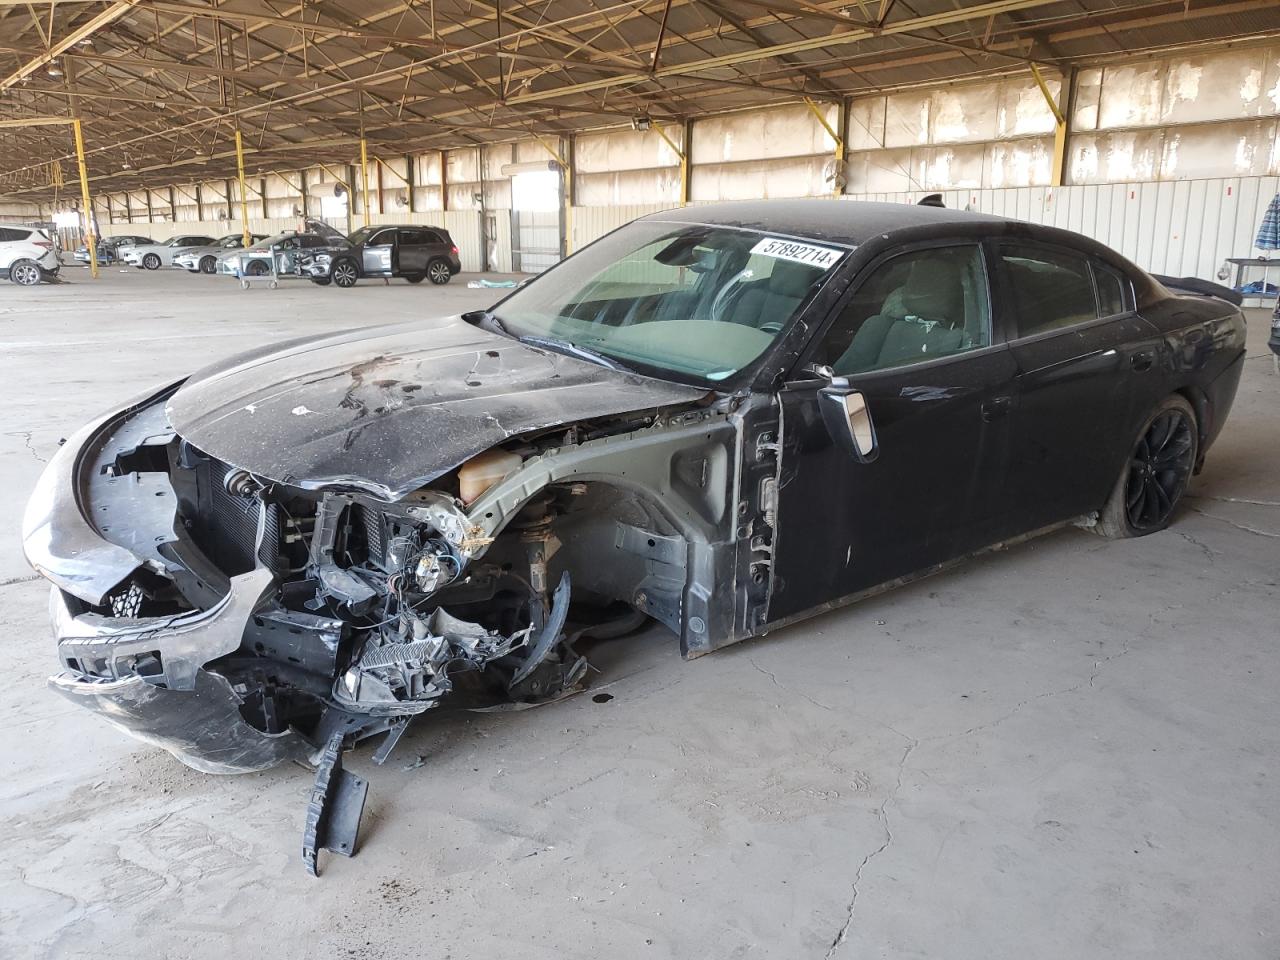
(641, 124)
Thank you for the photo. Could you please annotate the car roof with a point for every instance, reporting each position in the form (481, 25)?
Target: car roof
(405, 226)
(848, 222)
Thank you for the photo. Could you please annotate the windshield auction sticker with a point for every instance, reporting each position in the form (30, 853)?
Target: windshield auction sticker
(813, 255)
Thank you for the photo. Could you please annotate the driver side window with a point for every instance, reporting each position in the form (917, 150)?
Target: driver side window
(915, 307)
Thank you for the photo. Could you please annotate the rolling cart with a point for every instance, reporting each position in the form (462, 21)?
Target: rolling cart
(273, 274)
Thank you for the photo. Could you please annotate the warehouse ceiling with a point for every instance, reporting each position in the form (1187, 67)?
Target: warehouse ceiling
(161, 85)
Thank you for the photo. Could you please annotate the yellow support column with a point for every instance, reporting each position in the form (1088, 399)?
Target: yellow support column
(364, 176)
(1059, 130)
(244, 194)
(684, 163)
(838, 152)
(86, 208)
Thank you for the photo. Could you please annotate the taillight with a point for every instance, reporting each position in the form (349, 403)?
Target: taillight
(43, 243)
(454, 251)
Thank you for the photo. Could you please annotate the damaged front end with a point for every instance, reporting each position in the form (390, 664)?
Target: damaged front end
(238, 623)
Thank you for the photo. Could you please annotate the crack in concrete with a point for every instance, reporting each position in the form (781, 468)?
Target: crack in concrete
(12, 580)
(882, 813)
(1239, 526)
(1208, 550)
(26, 442)
(786, 689)
(1256, 503)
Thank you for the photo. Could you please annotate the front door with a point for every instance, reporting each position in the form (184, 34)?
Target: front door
(915, 337)
(378, 250)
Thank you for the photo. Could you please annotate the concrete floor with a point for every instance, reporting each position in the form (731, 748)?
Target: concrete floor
(1065, 750)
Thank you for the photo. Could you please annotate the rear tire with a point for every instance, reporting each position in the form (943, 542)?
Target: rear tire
(1155, 475)
(438, 272)
(151, 261)
(256, 268)
(344, 273)
(208, 265)
(25, 273)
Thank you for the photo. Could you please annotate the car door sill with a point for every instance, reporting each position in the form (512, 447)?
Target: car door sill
(879, 588)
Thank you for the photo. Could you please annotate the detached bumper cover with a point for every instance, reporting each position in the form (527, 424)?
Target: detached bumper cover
(189, 711)
(202, 727)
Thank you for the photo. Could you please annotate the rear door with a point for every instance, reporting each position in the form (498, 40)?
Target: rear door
(377, 253)
(412, 252)
(1085, 360)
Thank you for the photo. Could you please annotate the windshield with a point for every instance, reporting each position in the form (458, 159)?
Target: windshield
(695, 301)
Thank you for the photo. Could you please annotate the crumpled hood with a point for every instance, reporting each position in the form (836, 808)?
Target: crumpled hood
(387, 409)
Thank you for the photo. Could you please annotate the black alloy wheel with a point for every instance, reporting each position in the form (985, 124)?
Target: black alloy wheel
(1156, 474)
(1159, 470)
(208, 264)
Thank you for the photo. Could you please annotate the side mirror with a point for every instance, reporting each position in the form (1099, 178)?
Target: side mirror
(848, 420)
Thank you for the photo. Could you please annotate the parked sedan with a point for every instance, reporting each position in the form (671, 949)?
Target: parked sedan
(414, 252)
(726, 418)
(153, 256)
(108, 248)
(205, 259)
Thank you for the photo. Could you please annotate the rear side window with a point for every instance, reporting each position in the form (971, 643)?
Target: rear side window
(1048, 289)
(415, 238)
(1111, 299)
(9, 234)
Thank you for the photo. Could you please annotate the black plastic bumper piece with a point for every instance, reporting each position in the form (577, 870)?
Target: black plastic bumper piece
(333, 814)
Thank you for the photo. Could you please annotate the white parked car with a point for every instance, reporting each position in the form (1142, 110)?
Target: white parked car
(27, 255)
(205, 259)
(153, 256)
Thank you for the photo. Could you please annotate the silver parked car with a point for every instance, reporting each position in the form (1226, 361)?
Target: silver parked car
(153, 256)
(205, 259)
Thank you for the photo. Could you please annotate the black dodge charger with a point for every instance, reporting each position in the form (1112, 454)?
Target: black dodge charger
(724, 418)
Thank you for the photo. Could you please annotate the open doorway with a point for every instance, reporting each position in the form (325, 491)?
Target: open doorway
(536, 224)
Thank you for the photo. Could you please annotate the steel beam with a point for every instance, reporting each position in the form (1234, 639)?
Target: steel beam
(244, 194)
(86, 208)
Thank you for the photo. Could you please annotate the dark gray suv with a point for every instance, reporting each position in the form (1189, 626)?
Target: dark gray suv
(414, 252)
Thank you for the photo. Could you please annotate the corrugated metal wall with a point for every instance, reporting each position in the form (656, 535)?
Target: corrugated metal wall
(1183, 228)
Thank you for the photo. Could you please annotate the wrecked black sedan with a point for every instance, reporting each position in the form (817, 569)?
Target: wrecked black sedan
(724, 418)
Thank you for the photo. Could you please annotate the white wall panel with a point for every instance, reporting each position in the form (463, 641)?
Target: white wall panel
(1183, 228)
(591, 223)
